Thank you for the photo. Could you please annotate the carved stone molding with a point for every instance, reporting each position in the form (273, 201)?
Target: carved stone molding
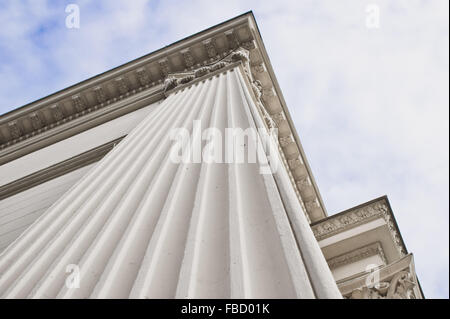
(56, 112)
(259, 67)
(78, 103)
(174, 80)
(100, 94)
(143, 76)
(210, 47)
(15, 130)
(36, 120)
(401, 286)
(122, 85)
(233, 41)
(358, 254)
(188, 58)
(105, 90)
(357, 216)
(397, 280)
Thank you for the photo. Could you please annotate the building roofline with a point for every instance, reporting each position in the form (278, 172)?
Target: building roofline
(103, 97)
(123, 65)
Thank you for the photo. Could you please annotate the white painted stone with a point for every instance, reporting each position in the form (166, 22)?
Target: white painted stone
(141, 226)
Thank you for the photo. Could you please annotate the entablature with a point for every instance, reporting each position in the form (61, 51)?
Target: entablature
(358, 226)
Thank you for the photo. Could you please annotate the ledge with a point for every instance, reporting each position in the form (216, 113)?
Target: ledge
(57, 170)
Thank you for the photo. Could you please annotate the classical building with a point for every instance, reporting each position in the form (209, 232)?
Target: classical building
(93, 204)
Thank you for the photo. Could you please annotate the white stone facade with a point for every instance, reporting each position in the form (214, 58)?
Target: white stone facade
(86, 180)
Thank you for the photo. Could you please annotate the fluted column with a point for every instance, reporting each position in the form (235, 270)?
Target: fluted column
(140, 225)
(316, 265)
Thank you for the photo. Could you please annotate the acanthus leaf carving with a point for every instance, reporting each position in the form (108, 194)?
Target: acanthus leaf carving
(173, 80)
(401, 286)
(257, 89)
(249, 45)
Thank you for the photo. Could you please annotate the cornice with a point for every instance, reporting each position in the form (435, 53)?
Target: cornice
(179, 80)
(378, 208)
(77, 124)
(47, 120)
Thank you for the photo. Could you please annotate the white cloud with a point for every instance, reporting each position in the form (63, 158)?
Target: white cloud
(371, 106)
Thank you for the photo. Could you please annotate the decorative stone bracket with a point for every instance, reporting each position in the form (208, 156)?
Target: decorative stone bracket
(175, 80)
(397, 280)
(401, 286)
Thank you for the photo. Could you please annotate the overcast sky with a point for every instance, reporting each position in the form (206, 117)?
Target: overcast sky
(370, 105)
